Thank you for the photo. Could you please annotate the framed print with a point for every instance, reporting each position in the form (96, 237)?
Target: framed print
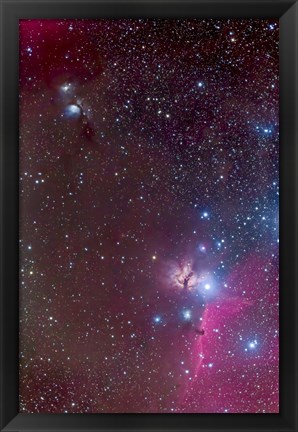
(149, 215)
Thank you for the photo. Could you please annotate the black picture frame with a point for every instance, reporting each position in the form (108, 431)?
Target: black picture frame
(287, 12)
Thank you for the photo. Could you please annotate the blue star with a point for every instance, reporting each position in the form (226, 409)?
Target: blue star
(187, 314)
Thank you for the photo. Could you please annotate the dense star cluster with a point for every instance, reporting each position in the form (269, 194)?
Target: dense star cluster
(149, 216)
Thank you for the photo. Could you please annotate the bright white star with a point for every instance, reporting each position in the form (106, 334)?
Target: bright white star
(187, 315)
(252, 345)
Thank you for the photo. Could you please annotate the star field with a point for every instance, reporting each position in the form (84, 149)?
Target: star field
(149, 193)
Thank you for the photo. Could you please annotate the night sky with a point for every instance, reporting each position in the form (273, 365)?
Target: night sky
(149, 216)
